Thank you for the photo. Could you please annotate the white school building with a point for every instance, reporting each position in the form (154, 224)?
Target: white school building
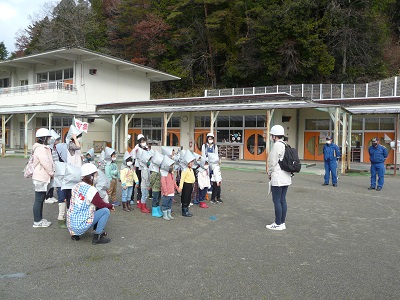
(50, 89)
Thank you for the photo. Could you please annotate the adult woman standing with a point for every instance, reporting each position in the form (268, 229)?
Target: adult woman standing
(87, 208)
(280, 180)
(43, 172)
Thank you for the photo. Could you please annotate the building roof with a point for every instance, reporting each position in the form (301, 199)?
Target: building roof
(219, 103)
(50, 57)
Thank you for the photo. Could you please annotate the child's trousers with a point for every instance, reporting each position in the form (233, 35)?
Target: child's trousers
(216, 191)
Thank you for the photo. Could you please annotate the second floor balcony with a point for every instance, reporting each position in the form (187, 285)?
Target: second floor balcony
(45, 87)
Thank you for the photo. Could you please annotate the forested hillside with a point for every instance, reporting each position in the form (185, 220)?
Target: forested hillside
(231, 43)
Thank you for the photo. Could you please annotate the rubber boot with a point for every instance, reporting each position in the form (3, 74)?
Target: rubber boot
(61, 215)
(165, 215)
(155, 212)
(61, 224)
(61, 210)
(159, 210)
(143, 208)
(100, 239)
(203, 204)
(169, 214)
(186, 213)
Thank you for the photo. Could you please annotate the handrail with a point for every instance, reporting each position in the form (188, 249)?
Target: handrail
(385, 88)
(61, 86)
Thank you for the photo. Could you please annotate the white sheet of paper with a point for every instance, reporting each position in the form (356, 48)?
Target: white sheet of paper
(269, 187)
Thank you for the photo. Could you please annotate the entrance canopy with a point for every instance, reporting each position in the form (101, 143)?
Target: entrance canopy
(219, 103)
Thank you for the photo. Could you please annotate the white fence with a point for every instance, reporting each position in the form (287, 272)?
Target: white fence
(385, 88)
(60, 86)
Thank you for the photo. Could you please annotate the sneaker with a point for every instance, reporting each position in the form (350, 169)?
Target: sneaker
(335, 185)
(213, 201)
(116, 203)
(378, 189)
(190, 204)
(371, 188)
(45, 221)
(273, 226)
(283, 225)
(49, 201)
(220, 201)
(42, 223)
(131, 202)
(325, 183)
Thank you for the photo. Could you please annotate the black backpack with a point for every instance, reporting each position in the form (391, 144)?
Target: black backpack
(290, 162)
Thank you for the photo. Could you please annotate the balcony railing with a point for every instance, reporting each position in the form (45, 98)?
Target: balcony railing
(386, 88)
(53, 86)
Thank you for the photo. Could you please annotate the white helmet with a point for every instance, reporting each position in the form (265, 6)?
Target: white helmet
(42, 132)
(210, 134)
(140, 136)
(277, 130)
(88, 169)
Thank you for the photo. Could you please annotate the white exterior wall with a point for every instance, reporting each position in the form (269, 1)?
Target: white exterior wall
(109, 85)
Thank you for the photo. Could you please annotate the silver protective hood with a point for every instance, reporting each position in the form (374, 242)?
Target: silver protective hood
(126, 155)
(187, 157)
(202, 163)
(91, 152)
(165, 165)
(169, 150)
(108, 151)
(142, 157)
(72, 130)
(156, 161)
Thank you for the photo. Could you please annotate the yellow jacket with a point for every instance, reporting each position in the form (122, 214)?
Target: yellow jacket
(128, 177)
(187, 176)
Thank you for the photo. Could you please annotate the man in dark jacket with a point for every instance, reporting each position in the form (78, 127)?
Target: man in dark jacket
(331, 155)
(377, 156)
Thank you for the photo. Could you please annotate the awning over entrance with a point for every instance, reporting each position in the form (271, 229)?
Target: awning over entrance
(221, 103)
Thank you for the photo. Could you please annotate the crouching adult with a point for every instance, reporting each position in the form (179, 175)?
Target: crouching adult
(87, 208)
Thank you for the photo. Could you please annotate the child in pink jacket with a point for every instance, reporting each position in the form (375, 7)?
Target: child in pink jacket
(168, 187)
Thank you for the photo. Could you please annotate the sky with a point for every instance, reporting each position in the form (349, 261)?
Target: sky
(15, 15)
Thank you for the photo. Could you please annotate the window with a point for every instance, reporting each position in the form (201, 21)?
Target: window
(357, 124)
(4, 82)
(229, 136)
(204, 121)
(223, 121)
(386, 123)
(153, 136)
(250, 121)
(318, 124)
(236, 121)
(255, 121)
(57, 75)
(42, 122)
(61, 122)
(371, 123)
(174, 122)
